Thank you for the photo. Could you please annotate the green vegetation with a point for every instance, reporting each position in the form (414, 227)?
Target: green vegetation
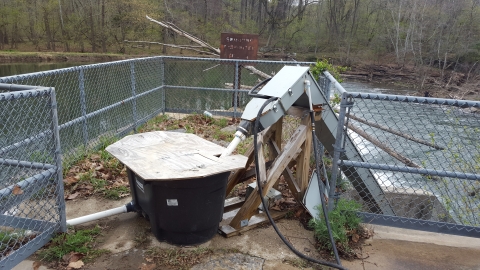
(324, 65)
(348, 30)
(344, 222)
(81, 241)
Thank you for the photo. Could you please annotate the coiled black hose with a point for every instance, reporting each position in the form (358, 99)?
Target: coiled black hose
(274, 225)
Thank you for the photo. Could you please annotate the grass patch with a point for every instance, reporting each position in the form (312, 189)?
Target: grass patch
(81, 241)
(344, 223)
(13, 240)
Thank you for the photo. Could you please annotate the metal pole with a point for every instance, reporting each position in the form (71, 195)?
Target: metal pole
(83, 105)
(337, 149)
(58, 162)
(134, 95)
(236, 85)
(162, 78)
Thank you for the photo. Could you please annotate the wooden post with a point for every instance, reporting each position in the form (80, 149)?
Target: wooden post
(277, 139)
(281, 162)
(237, 175)
(303, 161)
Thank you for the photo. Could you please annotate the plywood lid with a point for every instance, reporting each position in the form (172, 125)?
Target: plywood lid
(163, 155)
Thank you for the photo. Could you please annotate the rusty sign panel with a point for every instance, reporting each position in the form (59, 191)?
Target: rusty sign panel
(238, 46)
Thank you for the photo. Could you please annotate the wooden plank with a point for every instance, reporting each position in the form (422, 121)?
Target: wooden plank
(262, 169)
(278, 166)
(277, 138)
(235, 177)
(255, 221)
(160, 155)
(233, 180)
(233, 203)
(303, 160)
(287, 174)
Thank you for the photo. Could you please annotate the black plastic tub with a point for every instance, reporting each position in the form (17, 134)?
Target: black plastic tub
(181, 212)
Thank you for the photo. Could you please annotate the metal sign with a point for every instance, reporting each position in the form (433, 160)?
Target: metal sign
(238, 46)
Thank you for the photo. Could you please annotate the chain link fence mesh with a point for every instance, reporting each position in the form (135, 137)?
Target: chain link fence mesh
(102, 101)
(31, 188)
(440, 136)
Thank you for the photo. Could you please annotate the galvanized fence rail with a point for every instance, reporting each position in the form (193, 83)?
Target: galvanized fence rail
(32, 207)
(425, 154)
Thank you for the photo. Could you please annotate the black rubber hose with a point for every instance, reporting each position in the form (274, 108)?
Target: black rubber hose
(274, 225)
(322, 189)
(250, 93)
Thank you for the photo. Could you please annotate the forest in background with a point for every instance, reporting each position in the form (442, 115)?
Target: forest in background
(444, 34)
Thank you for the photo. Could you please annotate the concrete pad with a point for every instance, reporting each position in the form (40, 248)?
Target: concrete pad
(384, 232)
(232, 261)
(390, 248)
(28, 265)
(405, 255)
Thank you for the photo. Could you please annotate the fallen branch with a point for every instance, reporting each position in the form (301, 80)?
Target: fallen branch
(258, 72)
(388, 150)
(181, 32)
(246, 87)
(183, 47)
(211, 50)
(398, 133)
(384, 147)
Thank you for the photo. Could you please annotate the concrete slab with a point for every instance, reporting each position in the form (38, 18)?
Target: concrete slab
(128, 236)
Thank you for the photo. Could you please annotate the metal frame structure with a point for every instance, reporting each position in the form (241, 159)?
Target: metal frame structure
(18, 223)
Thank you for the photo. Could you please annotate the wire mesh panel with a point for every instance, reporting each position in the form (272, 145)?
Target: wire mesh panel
(101, 101)
(31, 188)
(219, 86)
(425, 154)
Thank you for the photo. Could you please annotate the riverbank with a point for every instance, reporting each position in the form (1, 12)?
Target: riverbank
(22, 57)
(446, 84)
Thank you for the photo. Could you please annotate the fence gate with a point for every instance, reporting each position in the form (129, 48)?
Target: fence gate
(424, 153)
(32, 207)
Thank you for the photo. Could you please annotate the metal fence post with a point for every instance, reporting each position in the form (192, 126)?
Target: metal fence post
(162, 80)
(327, 89)
(337, 150)
(58, 161)
(236, 86)
(134, 95)
(83, 105)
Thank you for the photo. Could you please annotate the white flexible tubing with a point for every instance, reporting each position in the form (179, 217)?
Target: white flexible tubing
(307, 82)
(99, 215)
(239, 136)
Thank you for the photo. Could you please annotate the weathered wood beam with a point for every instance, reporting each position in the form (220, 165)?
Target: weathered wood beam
(252, 202)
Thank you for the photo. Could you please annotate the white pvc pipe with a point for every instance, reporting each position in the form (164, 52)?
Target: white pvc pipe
(239, 136)
(99, 215)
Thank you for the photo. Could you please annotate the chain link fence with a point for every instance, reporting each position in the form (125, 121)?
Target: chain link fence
(101, 101)
(424, 153)
(31, 188)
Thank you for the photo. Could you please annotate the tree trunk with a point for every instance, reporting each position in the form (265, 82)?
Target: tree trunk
(48, 32)
(104, 43)
(92, 29)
